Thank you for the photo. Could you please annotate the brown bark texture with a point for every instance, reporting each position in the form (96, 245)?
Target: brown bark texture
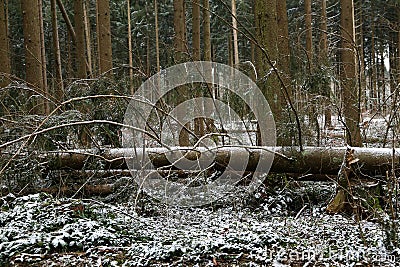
(313, 160)
(104, 37)
(33, 49)
(5, 65)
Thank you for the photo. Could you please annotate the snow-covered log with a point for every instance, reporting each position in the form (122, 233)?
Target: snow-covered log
(312, 160)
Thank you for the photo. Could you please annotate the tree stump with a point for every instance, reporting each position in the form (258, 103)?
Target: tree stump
(354, 194)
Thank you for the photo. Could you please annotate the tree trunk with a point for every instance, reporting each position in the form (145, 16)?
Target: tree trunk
(196, 29)
(283, 65)
(46, 104)
(206, 30)
(180, 44)
(360, 49)
(87, 40)
(130, 56)
(284, 47)
(373, 78)
(382, 80)
(308, 33)
(323, 55)
(80, 39)
(350, 94)
(198, 122)
(267, 39)
(67, 20)
(59, 91)
(33, 50)
(104, 37)
(180, 55)
(5, 64)
(313, 160)
(211, 91)
(235, 36)
(156, 35)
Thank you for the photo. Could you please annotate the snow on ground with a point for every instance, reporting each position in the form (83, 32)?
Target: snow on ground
(266, 229)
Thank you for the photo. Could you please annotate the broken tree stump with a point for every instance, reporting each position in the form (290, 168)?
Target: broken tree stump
(354, 194)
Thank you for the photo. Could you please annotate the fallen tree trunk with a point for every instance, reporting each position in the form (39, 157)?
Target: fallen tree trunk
(313, 160)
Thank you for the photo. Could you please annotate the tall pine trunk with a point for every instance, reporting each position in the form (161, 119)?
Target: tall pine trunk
(130, 56)
(308, 32)
(59, 91)
(198, 122)
(235, 36)
(348, 74)
(33, 50)
(323, 58)
(267, 55)
(80, 39)
(5, 65)
(180, 54)
(87, 40)
(104, 37)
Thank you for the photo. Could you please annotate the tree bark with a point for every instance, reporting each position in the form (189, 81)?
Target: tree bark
(308, 32)
(87, 40)
(180, 44)
(323, 58)
(198, 122)
(180, 55)
(5, 64)
(45, 89)
(104, 37)
(235, 36)
(313, 160)
(67, 20)
(359, 18)
(206, 30)
(156, 35)
(267, 39)
(57, 53)
(284, 47)
(33, 49)
(196, 30)
(80, 39)
(130, 56)
(350, 94)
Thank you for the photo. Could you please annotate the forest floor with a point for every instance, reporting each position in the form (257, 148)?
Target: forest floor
(282, 226)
